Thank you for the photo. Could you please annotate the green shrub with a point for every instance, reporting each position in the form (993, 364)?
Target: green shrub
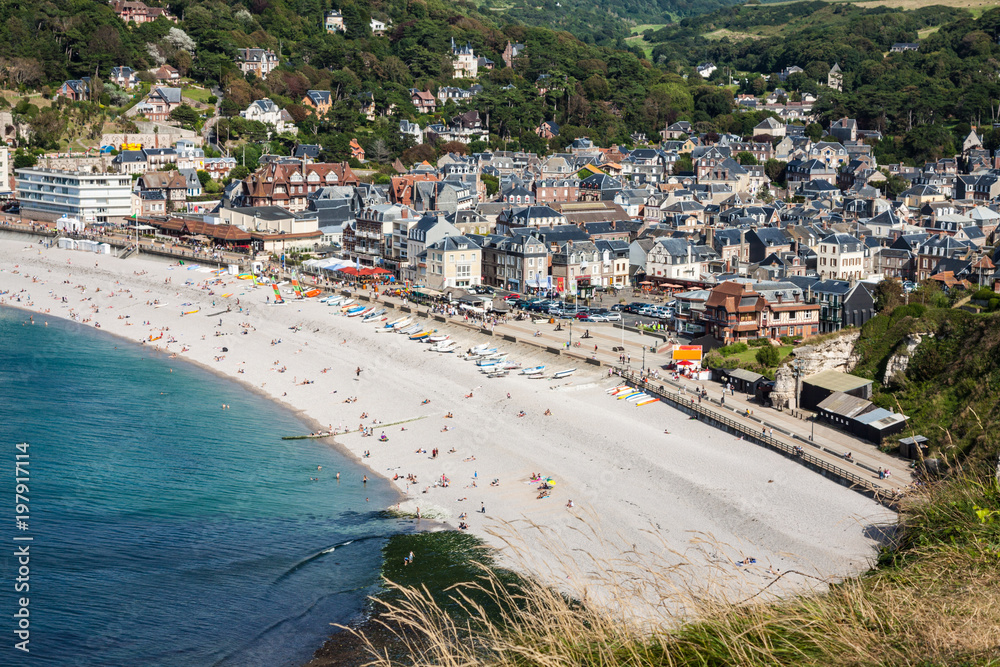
(768, 356)
(993, 304)
(984, 294)
(733, 348)
(916, 310)
(758, 342)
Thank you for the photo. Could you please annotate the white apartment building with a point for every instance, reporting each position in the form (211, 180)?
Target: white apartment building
(47, 194)
(842, 257)
(4, 171)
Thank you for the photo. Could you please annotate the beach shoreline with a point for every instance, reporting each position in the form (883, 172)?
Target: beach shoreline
(632, 484)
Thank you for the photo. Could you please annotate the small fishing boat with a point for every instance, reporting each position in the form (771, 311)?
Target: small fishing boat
(510, 365)
(498, 374)
(534, 370)
(354, 311)
(484, 363)
(334, 300)
(389, 325)
(403, 323)
(438, 338)
(421, 335)
(563, 374)
(346, 303)
(313, 292)
(447, 346)
(410, 330)
(478, 349)
(375, 313)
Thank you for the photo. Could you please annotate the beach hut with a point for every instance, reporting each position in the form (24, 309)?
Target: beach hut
(913, 447)
(860, 417)
(742, 380)
(816, 388)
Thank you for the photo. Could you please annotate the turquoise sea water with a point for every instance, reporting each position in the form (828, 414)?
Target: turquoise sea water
(168, 531)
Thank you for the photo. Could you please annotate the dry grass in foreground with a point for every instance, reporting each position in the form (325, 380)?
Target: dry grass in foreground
(934, 599)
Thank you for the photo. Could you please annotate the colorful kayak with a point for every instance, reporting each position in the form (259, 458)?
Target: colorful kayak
(624, 396)
(313, 292)
(190, 312)
(647, 401)
(421, 335)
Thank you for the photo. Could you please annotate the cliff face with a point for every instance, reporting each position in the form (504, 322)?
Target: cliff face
(836, 354)
(895, 367)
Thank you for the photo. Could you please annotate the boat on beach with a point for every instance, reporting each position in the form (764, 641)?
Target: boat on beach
(354, 311)
(346, 303)
(563, 374)
(421, 335)
(410, 330)
(446, 346)
(647, 401)
(627, 395)
(498, 374)
(438, 338)
(485, 363)
(534, 370)
(389, 325)
(642, 396)
(373, 314)
(334, 300)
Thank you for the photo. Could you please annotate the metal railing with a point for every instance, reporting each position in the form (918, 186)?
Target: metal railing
(880, 492)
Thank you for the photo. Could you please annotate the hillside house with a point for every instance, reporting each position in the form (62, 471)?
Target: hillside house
(333, 21)
(159, 103)
(319, 101)
(259, 62)
(123, 77)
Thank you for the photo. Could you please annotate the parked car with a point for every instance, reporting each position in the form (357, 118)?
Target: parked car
(619, 307)
(613, 317)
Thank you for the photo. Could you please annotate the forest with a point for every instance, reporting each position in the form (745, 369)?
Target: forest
(922, 101)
